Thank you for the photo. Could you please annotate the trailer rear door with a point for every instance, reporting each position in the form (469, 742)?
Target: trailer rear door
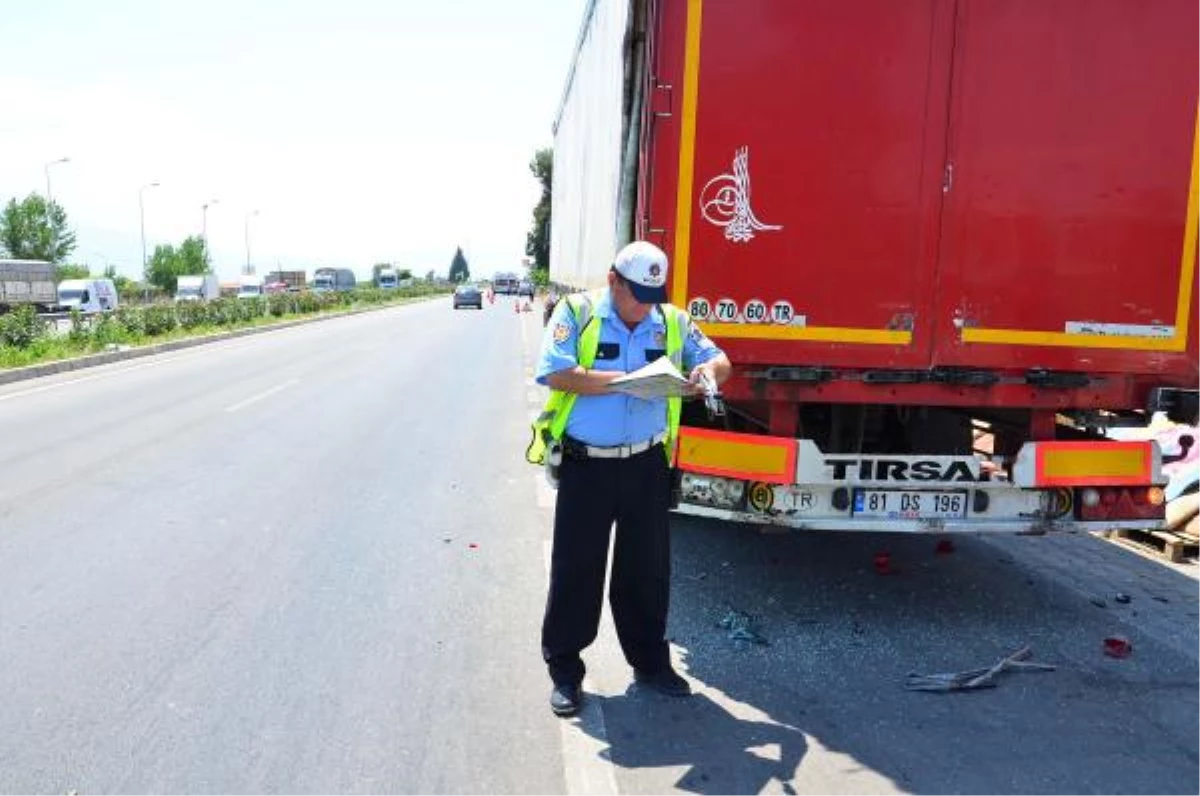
(809, 159)
(1071, 172)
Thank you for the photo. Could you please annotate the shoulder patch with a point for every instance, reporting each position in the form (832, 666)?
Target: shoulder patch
(561, 332)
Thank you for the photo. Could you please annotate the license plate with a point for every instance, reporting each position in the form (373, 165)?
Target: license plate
(894, 504)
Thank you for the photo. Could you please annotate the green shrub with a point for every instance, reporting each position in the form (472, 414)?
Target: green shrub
(21, 328)
(132, 320)
(159, 319)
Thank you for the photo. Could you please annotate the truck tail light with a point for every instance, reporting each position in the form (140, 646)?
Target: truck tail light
(1121, 503)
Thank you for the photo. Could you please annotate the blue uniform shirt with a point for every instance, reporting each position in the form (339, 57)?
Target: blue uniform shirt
(617, 419)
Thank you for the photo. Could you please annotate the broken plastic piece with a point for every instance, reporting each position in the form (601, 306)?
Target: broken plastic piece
(740, 627)
(1117, 647)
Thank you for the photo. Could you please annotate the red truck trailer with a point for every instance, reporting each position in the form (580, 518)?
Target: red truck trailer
(945, 243)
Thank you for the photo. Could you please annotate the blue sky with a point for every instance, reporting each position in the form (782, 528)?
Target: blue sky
(361, 130)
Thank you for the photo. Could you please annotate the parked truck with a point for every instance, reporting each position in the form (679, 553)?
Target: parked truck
(250, 286)
(27, 283)
(197, 287)
(943, 265)
(293, 281)
(387, 279)
(338, 279)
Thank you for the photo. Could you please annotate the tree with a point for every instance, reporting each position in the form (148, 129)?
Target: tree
(459, 272)
(537, 242)
(168, 263)
(123, 284)
(33, 230)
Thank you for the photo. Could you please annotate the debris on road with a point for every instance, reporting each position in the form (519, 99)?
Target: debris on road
(975, 678)
(1117, 647)
(740, 627)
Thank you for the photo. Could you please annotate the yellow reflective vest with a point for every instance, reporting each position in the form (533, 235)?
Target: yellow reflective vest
(550, 424)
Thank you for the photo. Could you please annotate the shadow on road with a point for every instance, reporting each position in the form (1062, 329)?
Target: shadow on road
(720, 752)
(840, 639)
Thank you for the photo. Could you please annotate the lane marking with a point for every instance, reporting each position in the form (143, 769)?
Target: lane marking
(265, 394)
(158, 360)
(584, 737)
(546, 497)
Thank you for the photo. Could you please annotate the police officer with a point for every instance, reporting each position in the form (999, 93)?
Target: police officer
(615, 468)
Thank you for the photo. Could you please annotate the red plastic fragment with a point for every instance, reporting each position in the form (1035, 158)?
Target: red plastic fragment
(1117, 647)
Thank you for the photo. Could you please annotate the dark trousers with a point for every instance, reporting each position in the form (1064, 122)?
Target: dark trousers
(593, 494)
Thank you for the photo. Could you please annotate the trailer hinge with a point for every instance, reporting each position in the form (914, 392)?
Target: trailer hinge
(661, 100)
(948, 178)
(894, 376)
(813, 375)
(969, 377)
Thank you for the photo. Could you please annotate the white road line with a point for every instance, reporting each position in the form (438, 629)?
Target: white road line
(584, 739)
(265, 394)
(158, 360)
(546, 497)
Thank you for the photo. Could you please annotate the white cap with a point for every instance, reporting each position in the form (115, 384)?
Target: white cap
(644, 267)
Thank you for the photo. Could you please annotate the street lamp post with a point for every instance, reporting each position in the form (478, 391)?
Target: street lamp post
(249, 262)
(49, 196)
(145, 262)
(204, 226)
(49, 215)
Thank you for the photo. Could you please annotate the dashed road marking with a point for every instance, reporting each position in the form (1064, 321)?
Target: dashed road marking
(265, 394)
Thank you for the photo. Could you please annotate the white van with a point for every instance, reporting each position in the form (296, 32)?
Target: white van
(250, 287)
(88, 295)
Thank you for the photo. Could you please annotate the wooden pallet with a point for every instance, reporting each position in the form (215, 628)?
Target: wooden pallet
(1172, 546)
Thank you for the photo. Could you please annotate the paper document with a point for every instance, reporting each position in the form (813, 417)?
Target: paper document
(659, 379)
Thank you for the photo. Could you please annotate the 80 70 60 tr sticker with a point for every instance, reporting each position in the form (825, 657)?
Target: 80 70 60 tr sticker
(755, 310)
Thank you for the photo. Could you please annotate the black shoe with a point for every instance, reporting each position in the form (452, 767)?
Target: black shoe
(664, 682)
(565, 699)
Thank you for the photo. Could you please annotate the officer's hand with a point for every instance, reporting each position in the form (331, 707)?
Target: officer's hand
(700, 381)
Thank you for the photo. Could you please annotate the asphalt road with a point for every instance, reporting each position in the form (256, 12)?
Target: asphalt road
(313, 560)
